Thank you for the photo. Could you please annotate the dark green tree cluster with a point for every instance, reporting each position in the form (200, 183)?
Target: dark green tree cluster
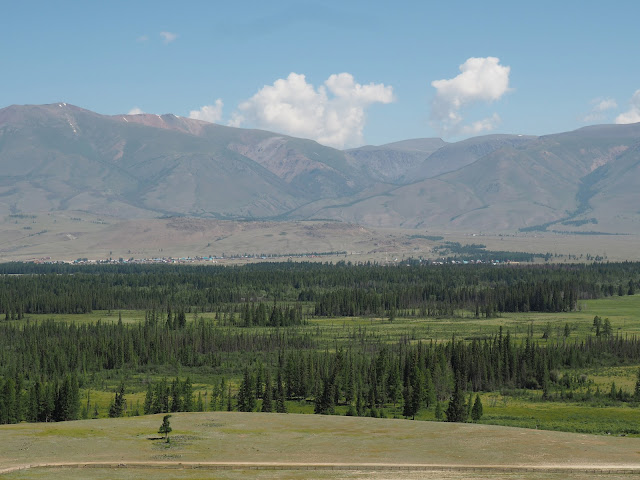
(54, 401)
(163, 398)
(119, 405)
(278, 316)
(341, 289)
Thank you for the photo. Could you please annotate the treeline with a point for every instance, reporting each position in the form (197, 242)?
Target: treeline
(42, 366)
(37, 401)
(341, 289)
(51, 350)
(478, 251)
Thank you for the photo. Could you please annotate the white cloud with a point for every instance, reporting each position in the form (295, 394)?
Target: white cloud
(484, 125)
(135, 111)
(482, 80)
(633, 114)
(602, 105)
(236, 120)
(599, 107)
(168, 37)
(208, 113)
(332, 114)
(143, 38)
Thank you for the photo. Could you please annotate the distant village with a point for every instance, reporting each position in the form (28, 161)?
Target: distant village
(263, 257)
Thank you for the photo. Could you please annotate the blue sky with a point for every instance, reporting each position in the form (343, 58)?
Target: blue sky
(363, 72)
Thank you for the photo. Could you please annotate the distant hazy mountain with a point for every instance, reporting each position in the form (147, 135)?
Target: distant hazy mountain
(391, 162)
(59, 157)
(587, 180)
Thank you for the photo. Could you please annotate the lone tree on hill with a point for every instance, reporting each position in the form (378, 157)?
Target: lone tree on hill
(165, 427)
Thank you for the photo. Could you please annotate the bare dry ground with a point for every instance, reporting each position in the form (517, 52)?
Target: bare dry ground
(72, 235)
(237, 445)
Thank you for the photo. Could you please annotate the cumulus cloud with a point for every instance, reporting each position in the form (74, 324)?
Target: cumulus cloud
(481, 80)
(332, 114)
(484, 125)
(168, 37)
(633, 114)
(135, 111)
(599, 107)
(208, 113)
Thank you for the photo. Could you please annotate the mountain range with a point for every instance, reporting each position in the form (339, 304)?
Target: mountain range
(59, 157)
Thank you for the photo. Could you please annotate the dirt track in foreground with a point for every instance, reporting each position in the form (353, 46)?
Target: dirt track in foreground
(373, 467)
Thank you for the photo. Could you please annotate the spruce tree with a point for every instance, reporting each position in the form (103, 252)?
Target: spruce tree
(457, 409)
(439, 414)
(119, 403)
(476, 411)
(246, 394)
(267, 397)
(148, 400)
(165, 428)
(187, 396)
(281, 406)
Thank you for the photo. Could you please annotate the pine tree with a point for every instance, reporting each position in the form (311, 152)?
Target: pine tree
(476, 411)
(148, 400)
(324, 403)
(457, 409)
(439, 414)
(165, 428)
(267, 397)
(613, 393)
(407, 407)
(187, 396)
(607, 329)
(246, 394)
(119, 403)
(281, 406)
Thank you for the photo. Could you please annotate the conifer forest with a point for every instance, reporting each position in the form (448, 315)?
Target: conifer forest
(426, 342)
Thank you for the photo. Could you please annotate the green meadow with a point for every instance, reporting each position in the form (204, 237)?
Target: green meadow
(586, 409)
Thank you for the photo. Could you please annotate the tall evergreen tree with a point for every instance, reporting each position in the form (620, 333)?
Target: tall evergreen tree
(119, 403)
(476, 411)
(457, 409)
(281, 406)
(246, 394)
(267, 397)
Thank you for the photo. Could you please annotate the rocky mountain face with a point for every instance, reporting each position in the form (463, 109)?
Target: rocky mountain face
(59, 157)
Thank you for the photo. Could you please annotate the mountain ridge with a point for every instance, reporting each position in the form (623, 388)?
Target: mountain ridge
(61, 157)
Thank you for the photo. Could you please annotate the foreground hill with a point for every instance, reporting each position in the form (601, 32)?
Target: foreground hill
(301, 442)
(61, 158)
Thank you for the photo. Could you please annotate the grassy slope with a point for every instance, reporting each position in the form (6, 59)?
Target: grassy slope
(255, 437)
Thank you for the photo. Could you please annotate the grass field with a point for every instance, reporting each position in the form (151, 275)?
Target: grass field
(306, 439)
(623, 312)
